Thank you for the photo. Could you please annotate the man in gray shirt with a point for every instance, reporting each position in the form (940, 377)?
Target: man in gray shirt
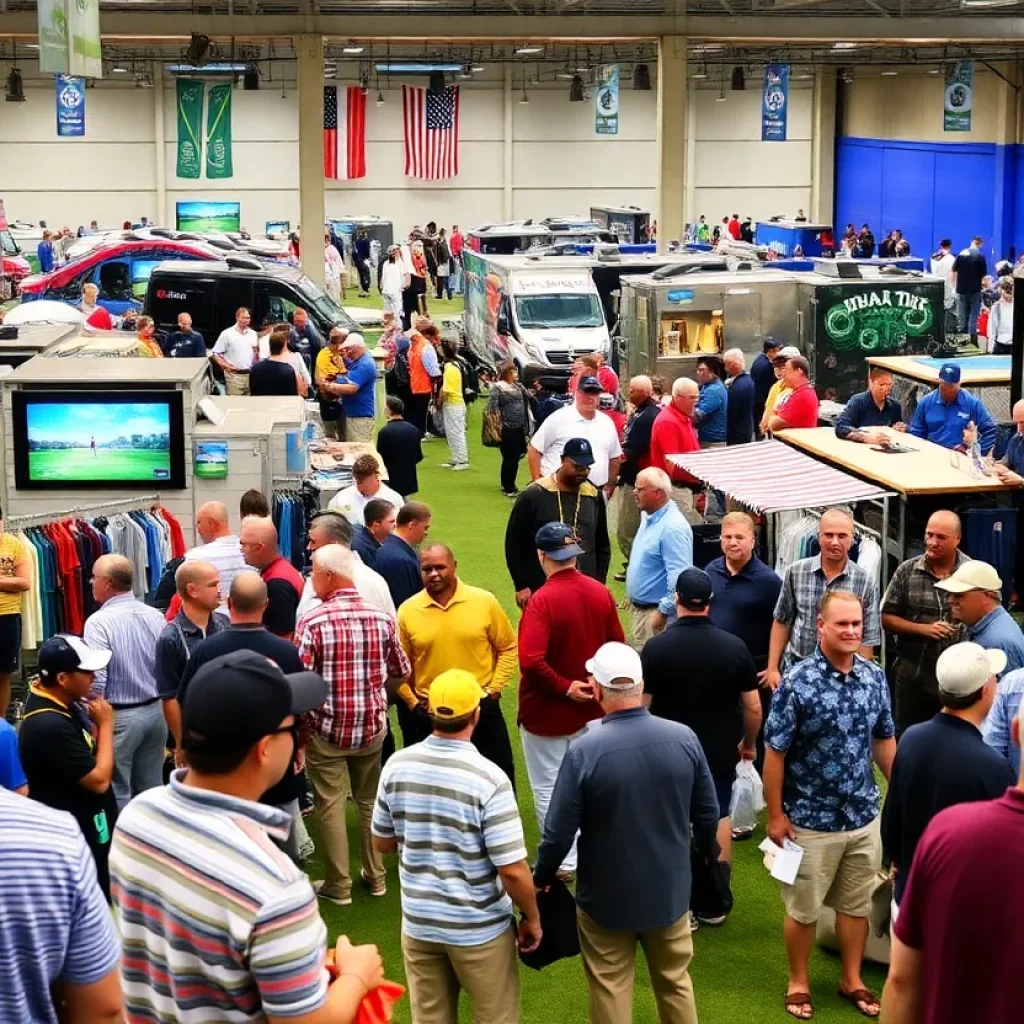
(632, 784)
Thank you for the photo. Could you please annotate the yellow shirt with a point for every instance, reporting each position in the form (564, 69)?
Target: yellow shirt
(328, 365)
(11, 551)
(451, 385)
(778, 389)
(472, 633)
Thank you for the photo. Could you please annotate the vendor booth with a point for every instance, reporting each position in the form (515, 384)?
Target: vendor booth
(786, 237)
(629, 223)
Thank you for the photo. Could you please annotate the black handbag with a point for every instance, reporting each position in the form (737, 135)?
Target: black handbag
(558, 923)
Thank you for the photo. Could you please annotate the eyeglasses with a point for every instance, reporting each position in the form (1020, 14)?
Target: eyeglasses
(293, 729)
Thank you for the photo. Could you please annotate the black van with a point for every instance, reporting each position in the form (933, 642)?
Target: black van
(211, 292)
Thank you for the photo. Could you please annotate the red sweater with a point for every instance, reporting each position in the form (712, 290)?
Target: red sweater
(564, 624)
(673, 434)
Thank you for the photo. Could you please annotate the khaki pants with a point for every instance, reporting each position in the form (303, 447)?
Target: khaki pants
(640, 628)
(332, 771)
(683, 497)
(359, 428)
(609, 962)
(629, 520)
(236, 383)
(489, 973)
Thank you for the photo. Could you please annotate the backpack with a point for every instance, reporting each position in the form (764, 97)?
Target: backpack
(401, 368)
(470, 380)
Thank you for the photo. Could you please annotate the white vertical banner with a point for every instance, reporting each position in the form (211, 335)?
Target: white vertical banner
(85, 53)
(52, 29)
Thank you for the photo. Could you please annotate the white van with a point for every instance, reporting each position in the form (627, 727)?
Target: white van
(545, 312)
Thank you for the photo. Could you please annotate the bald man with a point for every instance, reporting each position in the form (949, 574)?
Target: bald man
(636, 455)
(917, 615)
(258, 541)
(198, 587)
(130, 630)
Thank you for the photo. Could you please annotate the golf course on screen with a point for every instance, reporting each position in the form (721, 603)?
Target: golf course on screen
(98, 442)
(200, 216)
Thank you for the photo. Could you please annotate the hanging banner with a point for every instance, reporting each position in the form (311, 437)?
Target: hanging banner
(70, 106)
(85, 55)
(775, 103)
(606, 101)
(190, 125)
(52, 33)
(218, 133)
(959, 97)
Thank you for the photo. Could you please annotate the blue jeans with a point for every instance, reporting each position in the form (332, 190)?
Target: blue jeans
(140, 738)
(967, 309)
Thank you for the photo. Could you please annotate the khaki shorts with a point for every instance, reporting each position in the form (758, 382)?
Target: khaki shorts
(838, 870)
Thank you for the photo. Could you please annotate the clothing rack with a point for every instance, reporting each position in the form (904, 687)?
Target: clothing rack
(144, 503)
(294, 480)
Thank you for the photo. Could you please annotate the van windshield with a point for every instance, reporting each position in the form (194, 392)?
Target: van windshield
(320, 301)
(547, 312)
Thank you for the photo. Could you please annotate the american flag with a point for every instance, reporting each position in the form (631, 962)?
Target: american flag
(431, 122)
(344, 133)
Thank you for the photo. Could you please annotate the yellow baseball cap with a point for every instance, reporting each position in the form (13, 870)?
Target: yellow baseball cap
(454, 694)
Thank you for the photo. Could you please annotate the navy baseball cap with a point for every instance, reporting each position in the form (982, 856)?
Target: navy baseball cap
(950, 373)
(694, 589)
(578, 449)
(591, 385)
(237, 699)
(558, 541)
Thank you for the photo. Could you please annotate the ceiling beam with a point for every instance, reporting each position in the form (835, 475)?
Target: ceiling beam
(795, 29)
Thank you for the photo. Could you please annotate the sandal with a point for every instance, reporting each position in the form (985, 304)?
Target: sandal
(860, 998)
(798, 1000)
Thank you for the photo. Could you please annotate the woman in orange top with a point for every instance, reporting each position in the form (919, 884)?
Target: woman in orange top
(147, 338)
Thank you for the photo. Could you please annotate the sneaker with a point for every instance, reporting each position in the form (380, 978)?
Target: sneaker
(307, 849)
(712, 922)
(447, 465)
(428, 436)
(619, 577)
(338, 901)
(460, 466)
(694, 922)
(376, 889)
(511, 494)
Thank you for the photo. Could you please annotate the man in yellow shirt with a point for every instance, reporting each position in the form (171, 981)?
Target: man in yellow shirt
(15, 578)
(329, 366)
(449, 625)
(778, 389)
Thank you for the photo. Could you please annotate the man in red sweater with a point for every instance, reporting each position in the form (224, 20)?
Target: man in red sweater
(674, 433)
(563, 625)
(799, 408)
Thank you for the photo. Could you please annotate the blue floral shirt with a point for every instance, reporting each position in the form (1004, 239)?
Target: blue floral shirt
(825, 722)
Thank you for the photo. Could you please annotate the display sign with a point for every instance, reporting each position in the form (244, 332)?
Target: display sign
(278, 227)
(190, 125)
(680, 296)
(218, 133)
(959, 97)
(211, 460)
(70, 106)
(775, 103)
(198, 215)
(52, 33)
(85, 54)
(606, 101)
(553, 284)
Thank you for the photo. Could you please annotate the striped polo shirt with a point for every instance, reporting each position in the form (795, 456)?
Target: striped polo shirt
(456, 821)
(216, 923)
(54, 922)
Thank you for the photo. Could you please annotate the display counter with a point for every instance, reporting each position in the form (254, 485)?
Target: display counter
(784, 236)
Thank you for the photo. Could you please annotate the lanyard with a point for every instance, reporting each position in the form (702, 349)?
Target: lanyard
(561, 514)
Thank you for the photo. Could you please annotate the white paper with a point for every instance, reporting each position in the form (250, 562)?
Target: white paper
(782, 862)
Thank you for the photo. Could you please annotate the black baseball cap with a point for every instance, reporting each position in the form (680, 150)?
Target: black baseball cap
(591, 385)
(578, 449)
(237, 699)
(558, 541)
(66, 653)
(694, 589)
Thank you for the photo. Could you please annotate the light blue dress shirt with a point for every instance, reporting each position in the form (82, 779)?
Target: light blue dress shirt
(662, 549)
(996, 728)
(998, 631)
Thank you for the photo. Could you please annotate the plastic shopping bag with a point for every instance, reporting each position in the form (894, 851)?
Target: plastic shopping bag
(747, 797)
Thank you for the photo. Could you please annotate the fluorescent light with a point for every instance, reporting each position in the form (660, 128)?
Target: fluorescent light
(988, 3)
(415, 69)
(933, 71)
(524, 51)
(352, 49)
(699, 74)
(206, 69)
(844, 46)
(889, 74)
(477, 69)
(119, 70)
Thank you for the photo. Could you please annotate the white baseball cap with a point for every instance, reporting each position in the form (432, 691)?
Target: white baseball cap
(965, 668)
(353, 340)
(971, 575)
(616, 661)
(67, 653)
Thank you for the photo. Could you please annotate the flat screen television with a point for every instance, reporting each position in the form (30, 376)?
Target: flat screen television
(77, 440)
(200, 215)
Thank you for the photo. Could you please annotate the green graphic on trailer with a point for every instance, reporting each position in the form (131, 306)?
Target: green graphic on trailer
(218, 133)
(880, 320)
(190, 127)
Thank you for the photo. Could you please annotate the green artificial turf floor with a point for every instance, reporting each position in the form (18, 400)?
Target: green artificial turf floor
(739, 970)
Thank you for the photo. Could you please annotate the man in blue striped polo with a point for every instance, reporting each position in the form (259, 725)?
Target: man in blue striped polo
(451, 815)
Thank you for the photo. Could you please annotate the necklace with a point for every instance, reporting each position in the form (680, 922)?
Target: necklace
(561, 514)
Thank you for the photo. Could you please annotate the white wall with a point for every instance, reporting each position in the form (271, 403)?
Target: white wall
(733, 170)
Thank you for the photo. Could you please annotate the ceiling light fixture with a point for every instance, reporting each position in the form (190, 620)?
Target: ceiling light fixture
(739, 82)
(380, 98)
(642, 78)
(844, 46)
(977, 4)
(889, 74)
(118, 70)
(412, 68)
(700, 73)
(576, 90)
(477, 69)
(352, 48)
(525, 51)
(934, 71)
(436, 81)
(15, 91)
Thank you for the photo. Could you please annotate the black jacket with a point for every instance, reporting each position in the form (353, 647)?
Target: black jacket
(538, 505)
(398, 445)
(636, 444)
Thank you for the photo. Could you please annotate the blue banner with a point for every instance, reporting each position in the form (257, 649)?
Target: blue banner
(606, 101)
(70, 106)
(775, 103)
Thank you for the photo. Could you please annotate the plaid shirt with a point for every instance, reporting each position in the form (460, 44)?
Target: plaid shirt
(355, 648)
(911, 595)
(804, 586)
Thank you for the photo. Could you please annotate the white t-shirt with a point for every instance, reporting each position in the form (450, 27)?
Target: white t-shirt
(334, 266)
(942, 266)
(369, 585)
(236, 346)
(294, 358)
(567, 423)
(350, 503)
(225, 555)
